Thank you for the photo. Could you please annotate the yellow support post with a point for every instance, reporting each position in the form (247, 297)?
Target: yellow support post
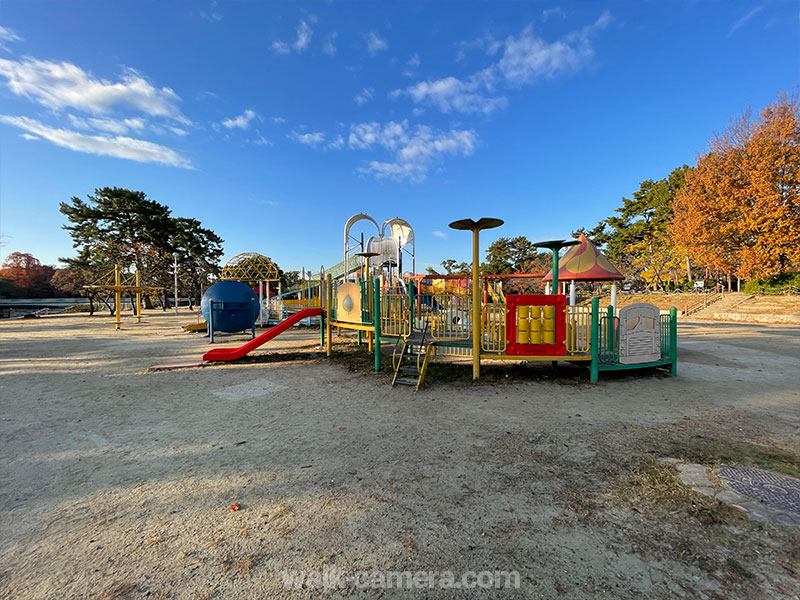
(476, 306)
(477, 331)
(138, 298)
(328, 302)
(117, 296)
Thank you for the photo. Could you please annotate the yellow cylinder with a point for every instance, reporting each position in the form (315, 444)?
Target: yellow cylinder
(548, 325)
(536, 312)
(536, 331)
(523, 324)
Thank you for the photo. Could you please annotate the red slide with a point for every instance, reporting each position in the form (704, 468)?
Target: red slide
(234, 353)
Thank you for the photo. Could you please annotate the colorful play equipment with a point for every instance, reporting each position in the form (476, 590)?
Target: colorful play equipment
(584, 262)
(226, 354)
(123, 282)
(257, 270)
(470, 316)
(229, 306)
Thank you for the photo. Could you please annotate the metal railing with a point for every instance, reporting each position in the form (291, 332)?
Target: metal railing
(395, 313)
(579, 322)
(451, 316)
(494, 328)
(706, 301)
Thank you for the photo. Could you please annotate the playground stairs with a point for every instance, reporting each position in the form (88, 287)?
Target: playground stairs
(410, 359)
(719, 303)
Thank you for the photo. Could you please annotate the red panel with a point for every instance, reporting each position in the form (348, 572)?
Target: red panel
(559, 301)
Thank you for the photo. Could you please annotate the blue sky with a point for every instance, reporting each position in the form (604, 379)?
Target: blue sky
(274, 122)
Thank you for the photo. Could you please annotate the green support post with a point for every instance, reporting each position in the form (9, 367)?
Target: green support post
(376, 315)
(610, 330)
(673, 340)
(594, 342)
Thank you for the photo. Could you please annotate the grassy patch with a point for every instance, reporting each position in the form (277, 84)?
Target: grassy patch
(651, 486)
(715, 452)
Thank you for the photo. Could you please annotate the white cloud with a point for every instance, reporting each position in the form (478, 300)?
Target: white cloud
(455, 94)
(134, 123)
(60, 85)
(301, 42)
(556, 11)
(375, 43)
(303, 37)
(280, 47)
(329, 47)
(364, 96)
(440, 234)
(241, 122)
(107, 125)
(526, 58)
(262, 141)
(486, 43)
(119, 146)
(336, 143)
(8, 35)
(309, 139)
(414, 149)
(741, 22)
(278, 120)
(29, 137)
(412, 64)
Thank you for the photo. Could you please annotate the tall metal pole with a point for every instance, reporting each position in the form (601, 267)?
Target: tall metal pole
(117, 295)
(175, 268)
(476, 306)
(477, 330)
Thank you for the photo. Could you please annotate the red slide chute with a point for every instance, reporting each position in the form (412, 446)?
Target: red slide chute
(234, 353)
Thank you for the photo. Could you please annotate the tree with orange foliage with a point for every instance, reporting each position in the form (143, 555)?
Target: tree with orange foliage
(740, 208)
(27, 274)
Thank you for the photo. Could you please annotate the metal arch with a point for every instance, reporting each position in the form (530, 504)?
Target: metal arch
(350, 222)
(251, 267)
(402, 242)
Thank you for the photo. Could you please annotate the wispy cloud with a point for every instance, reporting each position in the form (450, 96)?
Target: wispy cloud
(743, 21)
(412, 64)
(103, 145)
(364, 96)
(60, 85)
(241, 121)
(414, 150)
(278, 120)
(526, 58)
(301, 42)
(329, 46)
(375, 43)
(440, 234)
(8, 35)
(314, 138)
(550, 13)
(336, 143)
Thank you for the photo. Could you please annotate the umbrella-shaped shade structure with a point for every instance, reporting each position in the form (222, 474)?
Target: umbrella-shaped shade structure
(584, 262)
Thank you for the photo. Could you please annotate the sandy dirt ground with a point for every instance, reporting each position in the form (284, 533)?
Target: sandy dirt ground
(116, 482)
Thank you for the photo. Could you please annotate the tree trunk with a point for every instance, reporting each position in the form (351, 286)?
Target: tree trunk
(688, 269)
(91, 305)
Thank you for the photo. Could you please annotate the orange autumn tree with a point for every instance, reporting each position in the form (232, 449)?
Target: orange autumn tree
(740, 208)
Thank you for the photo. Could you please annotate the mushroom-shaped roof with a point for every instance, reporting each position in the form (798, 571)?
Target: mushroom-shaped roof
(585, 262)
(251, 267)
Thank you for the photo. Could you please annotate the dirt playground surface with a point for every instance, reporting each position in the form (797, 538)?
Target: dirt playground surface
(119, 483)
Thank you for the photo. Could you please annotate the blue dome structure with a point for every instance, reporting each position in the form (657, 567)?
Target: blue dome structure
(235, 306)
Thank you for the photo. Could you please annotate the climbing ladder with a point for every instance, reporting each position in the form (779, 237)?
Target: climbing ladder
(411, 357)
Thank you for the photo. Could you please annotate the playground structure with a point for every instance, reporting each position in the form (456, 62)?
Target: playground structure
(470, 316)
(130, 283)
(254, 269)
